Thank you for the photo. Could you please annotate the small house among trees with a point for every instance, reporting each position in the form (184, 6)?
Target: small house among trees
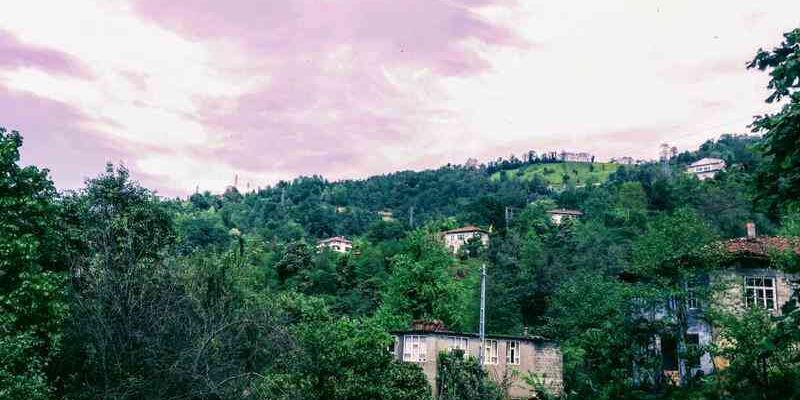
(560, 214)
(706, 168)
(745, 279)
(511, 361)
(454, 239)
(339, 244)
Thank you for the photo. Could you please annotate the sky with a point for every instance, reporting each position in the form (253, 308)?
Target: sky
(190, 96)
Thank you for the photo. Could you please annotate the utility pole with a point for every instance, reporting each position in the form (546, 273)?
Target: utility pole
(482, 329)
(411, 217)
(509, 215)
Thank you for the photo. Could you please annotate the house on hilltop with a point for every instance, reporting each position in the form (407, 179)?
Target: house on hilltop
(455, 238)
(559, 215)
(338, 244)
(504, 356)
(706, 168)
(576, 157)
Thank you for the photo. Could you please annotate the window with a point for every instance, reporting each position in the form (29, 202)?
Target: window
(414, 349)
(459, 343)
(759, 291)
(691, 300)
(490, 352)
(512, 352)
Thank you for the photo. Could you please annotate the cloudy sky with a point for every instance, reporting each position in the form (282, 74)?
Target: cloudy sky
(188, 95)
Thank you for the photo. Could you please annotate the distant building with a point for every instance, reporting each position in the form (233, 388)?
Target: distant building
(504, 356)
(560, 214)
(455, 238)
(341, 210)
(338, 244)
(706, 168)
(624, 160)
(576, 157)
(386, 216)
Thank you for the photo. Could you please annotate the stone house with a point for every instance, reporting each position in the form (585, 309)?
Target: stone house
(560, 214)
(706, 168)
(455, 238)
(745, 279)
(507, 358)
(338, 244)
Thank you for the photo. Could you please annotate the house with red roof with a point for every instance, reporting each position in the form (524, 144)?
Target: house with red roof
(339, 244)
(746, 278)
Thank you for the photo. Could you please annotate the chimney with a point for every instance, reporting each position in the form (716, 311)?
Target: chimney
(751, 230)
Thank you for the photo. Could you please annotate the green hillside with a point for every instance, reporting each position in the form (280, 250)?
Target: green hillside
(554, 173)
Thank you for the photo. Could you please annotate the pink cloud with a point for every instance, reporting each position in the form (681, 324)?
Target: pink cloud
(15, 54)
(55, 136)
(418, 32)
(329, 107)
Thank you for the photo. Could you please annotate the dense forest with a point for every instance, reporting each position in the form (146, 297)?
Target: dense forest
(113, 292)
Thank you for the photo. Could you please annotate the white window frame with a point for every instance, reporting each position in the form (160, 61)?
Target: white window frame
(490, 352)
(458, 343)
(758, 294)
(415, 349)
(513, 349)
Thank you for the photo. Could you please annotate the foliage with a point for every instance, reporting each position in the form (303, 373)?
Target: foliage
(423, 285)
(31, 280)
(779, 180)
(463, 378)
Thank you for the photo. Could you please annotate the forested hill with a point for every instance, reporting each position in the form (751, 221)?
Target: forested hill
(315, 208)
(112, 292)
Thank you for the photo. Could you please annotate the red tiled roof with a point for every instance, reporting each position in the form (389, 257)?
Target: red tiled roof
(465, 229)
(762, 246)
(428, 326)
(334, 239)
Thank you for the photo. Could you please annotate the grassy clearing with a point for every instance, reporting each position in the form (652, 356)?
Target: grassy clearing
(555, 174)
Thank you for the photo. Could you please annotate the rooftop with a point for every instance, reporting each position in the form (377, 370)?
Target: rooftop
(340, 239)
(466, 229)
(436, 327)
(706, 161)
(565, 211)
(762, 246)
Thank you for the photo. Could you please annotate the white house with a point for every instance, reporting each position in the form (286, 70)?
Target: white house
(706, 168)
(624, 160)
(560, 214)
(386, 216)
(455, 238)
(338, 244)
(577, 157)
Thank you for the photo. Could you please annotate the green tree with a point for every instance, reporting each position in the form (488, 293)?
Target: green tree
(422, 285)
(463, 378)
(779, 180)
(348, 359)
(32, 305)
